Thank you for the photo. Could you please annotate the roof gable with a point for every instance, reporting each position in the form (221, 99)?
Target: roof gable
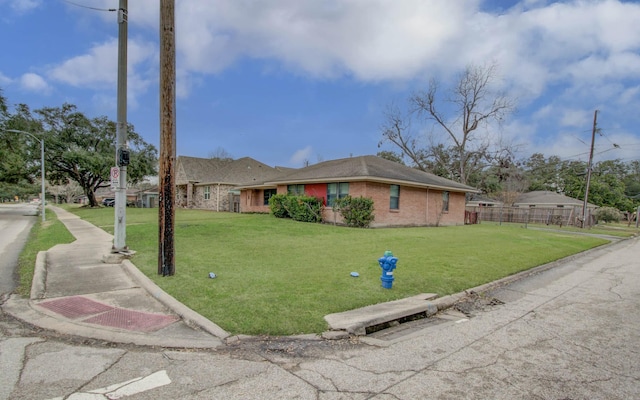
(547, 198)
(234, 172)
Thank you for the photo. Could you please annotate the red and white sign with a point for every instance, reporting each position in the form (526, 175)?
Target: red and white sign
(115, 178)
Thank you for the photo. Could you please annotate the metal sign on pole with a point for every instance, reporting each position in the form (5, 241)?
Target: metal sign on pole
(115, 178)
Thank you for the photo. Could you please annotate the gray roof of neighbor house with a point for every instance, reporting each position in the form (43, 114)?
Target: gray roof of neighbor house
(367, 168)
(244, 170)
(480, 199)
(544, 198)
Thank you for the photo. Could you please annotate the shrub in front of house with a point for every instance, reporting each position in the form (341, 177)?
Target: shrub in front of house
(608, 214)
(298, 208)
(356, 211)
(276, 206)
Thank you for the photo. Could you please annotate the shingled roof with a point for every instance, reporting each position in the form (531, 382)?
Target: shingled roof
(368, 168)
(244, 170)
(544, 198)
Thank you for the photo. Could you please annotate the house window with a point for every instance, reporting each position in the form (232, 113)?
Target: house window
(296, 190)
(336, 191)
(445, 201)
(268, 193)
(394, 199)
(207, 192)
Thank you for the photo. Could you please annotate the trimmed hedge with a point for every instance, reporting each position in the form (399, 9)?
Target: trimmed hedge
(298, 208)
(356, 211)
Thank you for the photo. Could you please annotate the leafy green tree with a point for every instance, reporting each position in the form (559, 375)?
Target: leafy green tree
(542, 173)
(83, 149)
(391, 156)
(632, 180)
(19, 157)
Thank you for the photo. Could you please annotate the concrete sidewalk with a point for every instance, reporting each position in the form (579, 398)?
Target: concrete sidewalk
(82, 289)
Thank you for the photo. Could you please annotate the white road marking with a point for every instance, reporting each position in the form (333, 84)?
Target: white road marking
(123, 389)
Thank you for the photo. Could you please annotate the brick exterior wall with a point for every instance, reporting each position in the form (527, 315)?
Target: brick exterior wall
(181, 196)
(218, 201)
(252, 201)
(417, 206)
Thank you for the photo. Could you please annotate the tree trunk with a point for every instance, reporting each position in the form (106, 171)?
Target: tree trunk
(91, 196)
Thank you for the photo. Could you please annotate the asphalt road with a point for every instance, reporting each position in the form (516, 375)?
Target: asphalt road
(571, 332)
(16, 221)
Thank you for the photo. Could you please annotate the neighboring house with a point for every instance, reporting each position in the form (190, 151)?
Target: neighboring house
(547, 199)
(209, 183)
(147, 198)
(105, 193)
(477, 200)
(542, 207)
(402, 196)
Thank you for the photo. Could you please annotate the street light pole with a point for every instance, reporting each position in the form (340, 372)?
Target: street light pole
(122, 152)
(41, 140)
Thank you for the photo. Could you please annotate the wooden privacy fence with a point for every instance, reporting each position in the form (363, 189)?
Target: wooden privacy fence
(561, 216)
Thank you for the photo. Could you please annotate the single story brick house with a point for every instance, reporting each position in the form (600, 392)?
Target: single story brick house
(402, 196)
(209, 183)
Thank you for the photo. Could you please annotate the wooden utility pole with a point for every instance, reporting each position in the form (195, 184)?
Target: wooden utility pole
(167, 188)
(585, 207)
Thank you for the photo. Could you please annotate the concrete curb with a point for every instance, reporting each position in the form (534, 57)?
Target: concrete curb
(446, 302)
(188, 315)
(39, 276)
(449, 301)
(23, 309)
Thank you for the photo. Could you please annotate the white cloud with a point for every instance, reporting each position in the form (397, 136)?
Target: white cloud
(23, 6)
(5, 80)
(34, 83)
(574, 118)
(301, 156)
(98, 68)
(562, 58)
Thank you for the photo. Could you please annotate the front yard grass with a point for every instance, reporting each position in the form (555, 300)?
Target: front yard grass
(43, 236)
(280, 277)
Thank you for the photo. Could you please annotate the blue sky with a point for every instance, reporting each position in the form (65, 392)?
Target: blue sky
(284, 81)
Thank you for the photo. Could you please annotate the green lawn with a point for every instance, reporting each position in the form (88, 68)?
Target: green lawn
(43, 236)
(280, 277)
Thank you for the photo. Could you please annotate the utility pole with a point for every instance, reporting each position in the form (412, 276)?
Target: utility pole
(122, 151)
(167, 188)
(586, 192)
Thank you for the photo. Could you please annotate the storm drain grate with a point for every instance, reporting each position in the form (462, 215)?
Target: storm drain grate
(132, 320)
(75, 307)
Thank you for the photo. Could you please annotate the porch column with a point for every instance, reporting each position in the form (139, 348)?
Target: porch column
(189, 194)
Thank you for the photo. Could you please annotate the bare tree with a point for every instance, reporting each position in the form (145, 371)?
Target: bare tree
(68, 190)
(455, 142)
(221, 154)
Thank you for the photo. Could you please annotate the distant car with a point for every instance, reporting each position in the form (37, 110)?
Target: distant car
(109, 202)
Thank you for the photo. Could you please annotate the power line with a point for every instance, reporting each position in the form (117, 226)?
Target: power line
(90, 8)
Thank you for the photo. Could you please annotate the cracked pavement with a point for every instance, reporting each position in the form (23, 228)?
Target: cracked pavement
(571, 332)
